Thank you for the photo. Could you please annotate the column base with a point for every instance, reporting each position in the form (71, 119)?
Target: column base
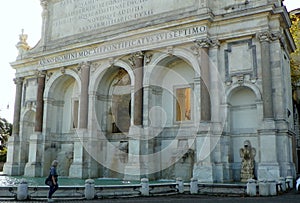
(133, 172)
(77, 170)
(12, 169)
(33, 169)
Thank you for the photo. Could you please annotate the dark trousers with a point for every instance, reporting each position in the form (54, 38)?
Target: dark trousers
(52, 189)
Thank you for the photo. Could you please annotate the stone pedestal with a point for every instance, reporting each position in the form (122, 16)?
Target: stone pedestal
(33, 167)
(135, 167)
(12, 167)
(78, 168)
(268, 168)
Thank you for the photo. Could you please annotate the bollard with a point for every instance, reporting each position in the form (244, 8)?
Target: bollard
(180, 185)
(194, 186)
(89, 191)
(263, 188)
(251, 188)
(272, 187)
(290, 182)
(22, 191)
(145, 187)
(298, 185)
(281, 180)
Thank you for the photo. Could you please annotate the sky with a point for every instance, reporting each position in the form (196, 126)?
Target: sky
(16, 15)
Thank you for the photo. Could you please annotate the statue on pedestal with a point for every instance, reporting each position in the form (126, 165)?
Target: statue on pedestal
(247, 154)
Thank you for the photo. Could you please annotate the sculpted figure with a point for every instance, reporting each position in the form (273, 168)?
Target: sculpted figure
(247, 154)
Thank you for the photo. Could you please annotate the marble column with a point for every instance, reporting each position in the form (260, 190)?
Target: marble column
(12, 167)
(40, 102)
(83, 107)
(137, 144)
(81, 159)
(138, 61)
(17, 107)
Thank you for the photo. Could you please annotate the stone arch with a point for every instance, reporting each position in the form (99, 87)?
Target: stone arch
(107, 92)
(61, 104)
(243, 108)
(54, 78)
(61, 96)
(172, 94)
(98, 75)
(251, 86)
(113, 92)
(185, 55)
(181, 68)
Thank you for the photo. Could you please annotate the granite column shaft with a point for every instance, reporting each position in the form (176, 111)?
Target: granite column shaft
(40, 103)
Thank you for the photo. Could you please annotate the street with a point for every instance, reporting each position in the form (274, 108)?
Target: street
(291, 197)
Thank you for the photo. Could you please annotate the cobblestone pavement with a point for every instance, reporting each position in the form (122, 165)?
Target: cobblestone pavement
(291, 197)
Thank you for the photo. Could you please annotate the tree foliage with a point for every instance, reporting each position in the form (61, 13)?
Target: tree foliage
(295, 56)
(5, 132)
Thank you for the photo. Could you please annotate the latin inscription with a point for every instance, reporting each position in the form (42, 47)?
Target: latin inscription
(70, 17)
(126, 44)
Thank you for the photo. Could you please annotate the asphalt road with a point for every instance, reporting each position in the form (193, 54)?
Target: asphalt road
(290, 197)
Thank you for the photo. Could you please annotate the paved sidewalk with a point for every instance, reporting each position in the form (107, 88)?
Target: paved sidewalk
(291, 197)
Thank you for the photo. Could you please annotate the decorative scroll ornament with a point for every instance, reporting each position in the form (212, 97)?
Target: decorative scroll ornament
(40, 74)
(264, 36)
(148, 57)
(134, 56)
(204, 43)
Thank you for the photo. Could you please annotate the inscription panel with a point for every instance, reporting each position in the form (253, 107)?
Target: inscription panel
(71, 17)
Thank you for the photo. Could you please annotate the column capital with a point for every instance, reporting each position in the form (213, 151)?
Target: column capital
(135, 56)
(264, 36)
(40, 74)
(138, 54)
(204, 43)
(268, 36)
(19, 80)
(84, 64)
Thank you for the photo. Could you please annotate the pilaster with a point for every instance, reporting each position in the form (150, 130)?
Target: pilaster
(264, 38)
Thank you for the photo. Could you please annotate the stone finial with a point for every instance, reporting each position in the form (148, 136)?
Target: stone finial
(44, 4)
(22, 45)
